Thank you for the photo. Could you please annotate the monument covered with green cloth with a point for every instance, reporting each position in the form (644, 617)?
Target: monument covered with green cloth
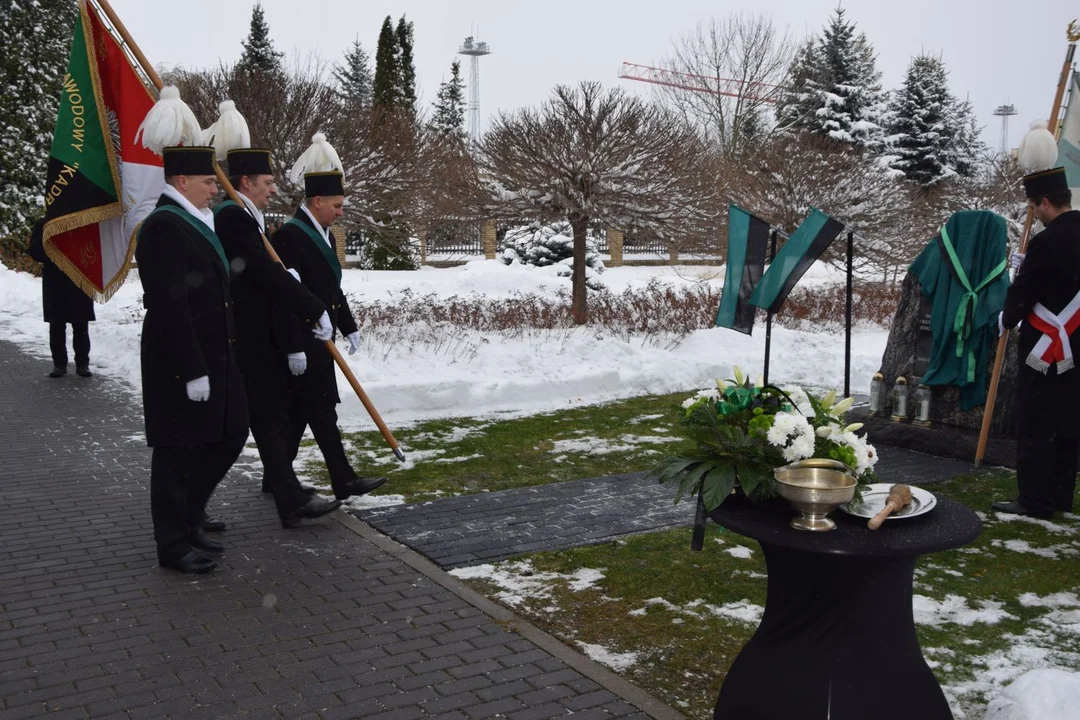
(944, 335)
(963, 274)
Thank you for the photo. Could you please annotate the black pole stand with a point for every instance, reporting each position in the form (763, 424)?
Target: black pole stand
(768, 319)
(847, 316)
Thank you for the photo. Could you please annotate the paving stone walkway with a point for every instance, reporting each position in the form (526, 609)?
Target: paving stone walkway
(332, 620)
(487, 527)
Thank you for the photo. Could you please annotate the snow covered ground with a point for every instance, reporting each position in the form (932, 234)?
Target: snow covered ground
(540, 371)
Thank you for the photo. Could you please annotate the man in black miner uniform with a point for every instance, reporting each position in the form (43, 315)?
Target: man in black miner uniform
(266, 297)
(64, 303)
(1046, 297)
(304, 243)
(193, 394)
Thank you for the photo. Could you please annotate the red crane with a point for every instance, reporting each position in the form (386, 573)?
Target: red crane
(761, 92)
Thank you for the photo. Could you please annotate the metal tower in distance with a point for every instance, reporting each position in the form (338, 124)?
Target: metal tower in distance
(1005, 112)
(475, 50)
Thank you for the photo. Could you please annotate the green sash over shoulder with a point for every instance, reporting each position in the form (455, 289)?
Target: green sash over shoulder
(199, 225)
(320, 242)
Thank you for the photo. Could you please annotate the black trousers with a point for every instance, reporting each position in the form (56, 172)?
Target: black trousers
(80, 340)
(1046, 472)
(322, 419)
(182, 479)
(272, 430)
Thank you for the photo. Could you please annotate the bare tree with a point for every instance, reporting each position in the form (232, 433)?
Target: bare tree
(590, 154)
(796, 171)
(746, 48)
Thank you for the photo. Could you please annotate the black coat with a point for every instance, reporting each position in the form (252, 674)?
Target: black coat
(266, 300)
(188, 332)
(61, 299)
(317, 386)
(1050, 274)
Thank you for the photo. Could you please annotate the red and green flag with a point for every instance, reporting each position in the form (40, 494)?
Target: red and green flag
(100, 184)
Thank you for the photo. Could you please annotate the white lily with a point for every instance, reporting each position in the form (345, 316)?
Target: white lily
(853, 427)
(739, 377)
(829, 399)
(843, 406)
(760, 381)
(721, 385)
(824, 431)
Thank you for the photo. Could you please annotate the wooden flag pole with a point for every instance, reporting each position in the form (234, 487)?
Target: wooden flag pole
(231, 192)
(1003, 341)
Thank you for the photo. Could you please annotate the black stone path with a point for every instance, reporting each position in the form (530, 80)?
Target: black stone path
(332, 620)
(487, 527)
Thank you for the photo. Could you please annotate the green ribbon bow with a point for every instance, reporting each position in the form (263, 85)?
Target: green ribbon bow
(965, 312)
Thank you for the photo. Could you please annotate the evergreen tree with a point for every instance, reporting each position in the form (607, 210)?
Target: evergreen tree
(259, 55)
(407, 79)
(836, 87)
(934, 134)
(36, 38)
(354, 76)
(450, 104)
(387, 83)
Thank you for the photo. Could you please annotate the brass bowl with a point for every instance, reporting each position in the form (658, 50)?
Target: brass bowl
(815, 487)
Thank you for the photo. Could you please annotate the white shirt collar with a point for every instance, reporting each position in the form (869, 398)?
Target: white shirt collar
(206, 215)
(255, 212)
(322, 231)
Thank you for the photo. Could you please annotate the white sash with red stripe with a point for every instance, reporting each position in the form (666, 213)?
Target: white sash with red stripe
(1054, 346)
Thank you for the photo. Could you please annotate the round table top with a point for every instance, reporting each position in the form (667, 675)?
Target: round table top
(949, 524)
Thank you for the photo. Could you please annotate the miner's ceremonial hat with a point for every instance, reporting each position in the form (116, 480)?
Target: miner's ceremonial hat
(1045, 182)
(185, 160)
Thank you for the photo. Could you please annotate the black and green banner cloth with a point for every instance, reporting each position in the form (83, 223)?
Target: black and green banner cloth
(805, 245)
(748, 237)
(100, 183)
(962, 271)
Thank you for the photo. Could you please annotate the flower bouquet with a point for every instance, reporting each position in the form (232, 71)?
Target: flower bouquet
(744, 430)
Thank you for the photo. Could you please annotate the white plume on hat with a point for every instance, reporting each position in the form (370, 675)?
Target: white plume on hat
(169, 123)
(1038, 149)
(320, 157)
(230, 132)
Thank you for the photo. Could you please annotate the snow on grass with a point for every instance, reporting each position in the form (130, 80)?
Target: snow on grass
(518, 581)
(1054, 527)
(1023, 546)
(598, 446)
(548, 370)
(954, 609)
(740, 551)
(616, 661)
(742, 611)
(644, 419)
(463, 458)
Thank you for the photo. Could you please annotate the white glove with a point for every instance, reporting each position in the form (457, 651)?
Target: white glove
(198, 390)
(293, 272)
(1015, 260)
(297, 363)
(1001, 325)
(354, 342)
(324, 330)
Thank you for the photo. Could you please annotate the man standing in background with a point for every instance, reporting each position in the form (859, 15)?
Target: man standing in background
(64, 303)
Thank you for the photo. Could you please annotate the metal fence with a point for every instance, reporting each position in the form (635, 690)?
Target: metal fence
(454, 238)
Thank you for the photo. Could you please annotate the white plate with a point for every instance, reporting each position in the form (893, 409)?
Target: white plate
(875, 495)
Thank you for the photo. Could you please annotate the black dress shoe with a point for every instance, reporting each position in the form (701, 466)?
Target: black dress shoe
(83, 371)
(313, 508)
(358, 486)
(192, 562)
(199, 541)
(211, 525)
(1015, 508)
(58, 372)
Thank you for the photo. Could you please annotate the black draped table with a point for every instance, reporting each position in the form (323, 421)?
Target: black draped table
(837, 639)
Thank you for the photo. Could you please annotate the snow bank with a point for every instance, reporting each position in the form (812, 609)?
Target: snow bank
(1038, 695)
(539, 372)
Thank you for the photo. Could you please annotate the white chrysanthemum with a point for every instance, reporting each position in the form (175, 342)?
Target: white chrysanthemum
(793, 435)
(782, 428)
(710, 393)
(802, 402)
(865, 454)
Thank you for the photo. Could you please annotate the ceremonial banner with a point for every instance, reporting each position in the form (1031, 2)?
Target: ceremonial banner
(747, 239)
(801, 250)
(100, 184)
(1069, 142)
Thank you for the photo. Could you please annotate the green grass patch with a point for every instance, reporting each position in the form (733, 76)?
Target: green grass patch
(680, 611)
(468, 455)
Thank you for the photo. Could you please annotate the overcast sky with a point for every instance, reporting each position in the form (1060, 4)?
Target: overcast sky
(997, 51)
